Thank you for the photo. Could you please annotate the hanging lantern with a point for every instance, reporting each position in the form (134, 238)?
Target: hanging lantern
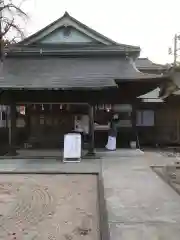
(42, 107)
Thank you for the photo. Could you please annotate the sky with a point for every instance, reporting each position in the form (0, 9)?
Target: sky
(148, 24)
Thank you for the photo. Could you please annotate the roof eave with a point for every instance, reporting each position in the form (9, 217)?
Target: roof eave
(70, 47)
(157, 78)
(72, 53)
(152, 69)
(5, 88)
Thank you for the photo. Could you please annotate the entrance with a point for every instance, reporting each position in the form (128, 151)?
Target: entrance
(50, 122)
(103, 116)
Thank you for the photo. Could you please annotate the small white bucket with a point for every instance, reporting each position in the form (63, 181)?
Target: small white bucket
(133, 144)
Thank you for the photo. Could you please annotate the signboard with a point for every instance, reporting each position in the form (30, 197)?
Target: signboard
(72, 147)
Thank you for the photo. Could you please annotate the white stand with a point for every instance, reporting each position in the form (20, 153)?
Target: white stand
(72, 147)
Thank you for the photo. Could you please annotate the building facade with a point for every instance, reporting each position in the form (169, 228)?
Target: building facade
(158, 119)
(68, 73)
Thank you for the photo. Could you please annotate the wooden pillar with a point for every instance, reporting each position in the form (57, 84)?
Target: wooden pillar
(12, 129)
(91, 151)
(27, 120)
(134, 129)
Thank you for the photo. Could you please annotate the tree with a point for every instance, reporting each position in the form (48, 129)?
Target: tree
(11, 18)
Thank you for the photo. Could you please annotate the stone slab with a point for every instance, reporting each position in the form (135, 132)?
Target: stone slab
(144, 231)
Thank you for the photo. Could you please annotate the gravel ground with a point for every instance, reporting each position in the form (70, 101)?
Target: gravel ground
(48, 207)
(169, 153)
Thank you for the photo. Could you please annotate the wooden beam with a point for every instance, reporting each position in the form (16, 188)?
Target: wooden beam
(12, 129)
(91, 151)
(27, 119)
(134, 128)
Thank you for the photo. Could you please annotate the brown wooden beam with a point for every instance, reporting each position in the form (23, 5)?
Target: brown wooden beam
(134, 128)
(27, 120)
(91, 150)
(12, 129)
(126, 93)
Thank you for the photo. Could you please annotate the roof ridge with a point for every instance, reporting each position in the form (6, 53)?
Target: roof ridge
(66, 14)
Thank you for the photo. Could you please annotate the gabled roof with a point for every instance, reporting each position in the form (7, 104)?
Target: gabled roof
(152, 96)
(67, 20)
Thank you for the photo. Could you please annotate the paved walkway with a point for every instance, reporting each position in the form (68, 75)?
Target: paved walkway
(140, 205)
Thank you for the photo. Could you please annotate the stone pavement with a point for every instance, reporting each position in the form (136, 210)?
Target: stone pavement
(140, 205)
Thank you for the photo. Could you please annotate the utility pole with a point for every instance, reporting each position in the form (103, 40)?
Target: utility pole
(175, 50)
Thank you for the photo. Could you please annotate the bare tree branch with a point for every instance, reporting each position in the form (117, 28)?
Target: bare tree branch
(9, 16)
(10, 24)
(11, 7)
